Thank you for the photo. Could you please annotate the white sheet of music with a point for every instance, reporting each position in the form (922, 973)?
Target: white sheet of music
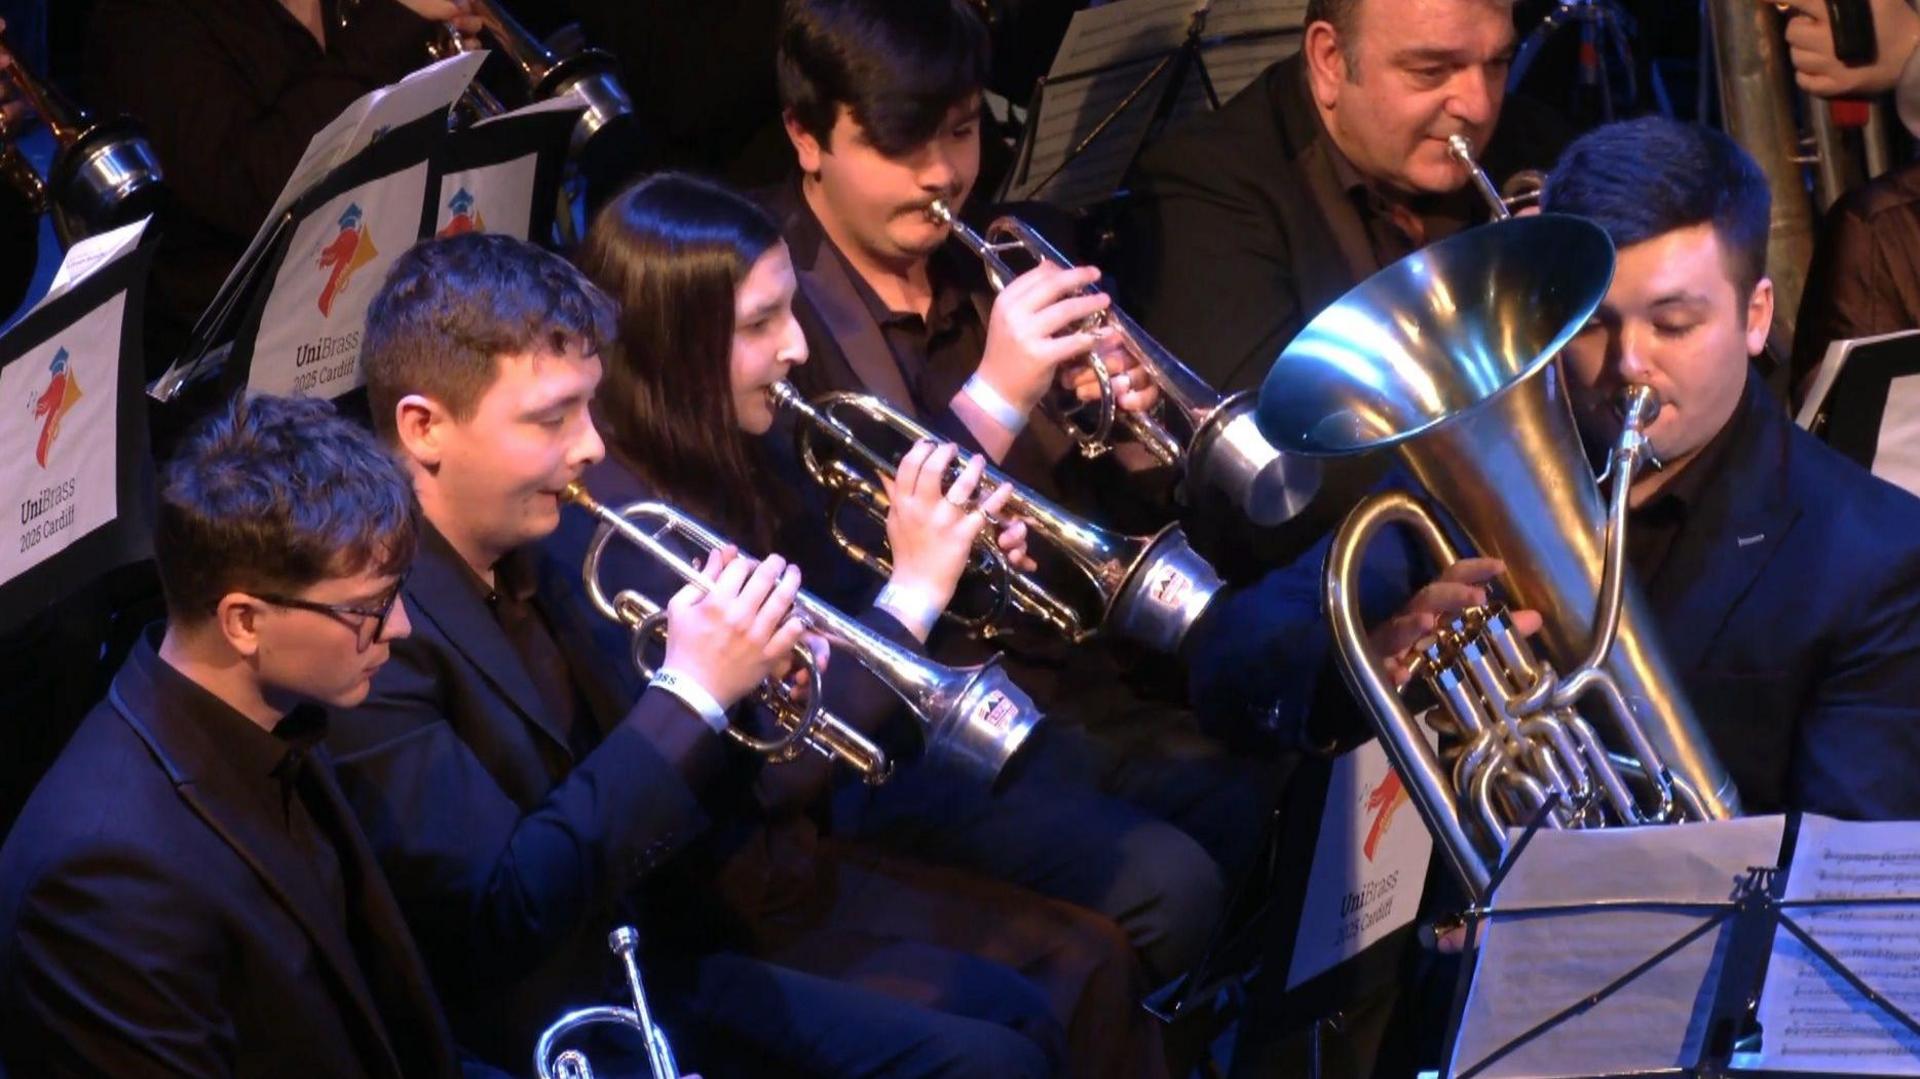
(90, 254)
(1107, 52)
(1811, 1019)
(1896, 453)
(1533, 966)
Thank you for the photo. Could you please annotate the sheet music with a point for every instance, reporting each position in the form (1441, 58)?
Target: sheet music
(434, 87)
(1831, 364)
(1896, 453)
(1533, 966)
(90, 254)
(1108, 51)
(1811, 1020)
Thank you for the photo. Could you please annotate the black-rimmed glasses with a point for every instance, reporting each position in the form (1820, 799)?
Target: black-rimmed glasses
(357, 616)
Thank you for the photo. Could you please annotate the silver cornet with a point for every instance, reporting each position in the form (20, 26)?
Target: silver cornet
(974, 717)
(104, 174)
(587, 74)
(571, 1063)
(1148, 589)
(1217, 443)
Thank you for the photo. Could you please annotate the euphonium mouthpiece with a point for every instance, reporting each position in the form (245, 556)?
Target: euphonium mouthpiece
(577, 493)
(1639, 405)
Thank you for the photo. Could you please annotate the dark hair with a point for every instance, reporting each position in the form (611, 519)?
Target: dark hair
(899, 65)
(1643, 178)
(275, 494)
(673, 250)
(449, 309)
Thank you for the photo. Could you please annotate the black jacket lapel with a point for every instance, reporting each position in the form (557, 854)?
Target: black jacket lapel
(192, 763)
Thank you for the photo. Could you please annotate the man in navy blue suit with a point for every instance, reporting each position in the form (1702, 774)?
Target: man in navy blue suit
(1785, 579)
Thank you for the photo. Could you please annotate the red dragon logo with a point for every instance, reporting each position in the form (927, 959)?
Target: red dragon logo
(54, 402)
(1383, 801)
(344, 255)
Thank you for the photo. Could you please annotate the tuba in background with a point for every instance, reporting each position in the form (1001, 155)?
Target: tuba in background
(1447, 358)
(104, 173)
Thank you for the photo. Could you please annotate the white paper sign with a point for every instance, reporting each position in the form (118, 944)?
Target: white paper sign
(309, 340)
(59, 440)
(491, 198)
(1369, 865)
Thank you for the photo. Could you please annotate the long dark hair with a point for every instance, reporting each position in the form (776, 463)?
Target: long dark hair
(673, 250)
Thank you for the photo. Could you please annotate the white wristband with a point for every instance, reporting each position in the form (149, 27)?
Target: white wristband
(990, 402)
(912, 606)
(694, 696)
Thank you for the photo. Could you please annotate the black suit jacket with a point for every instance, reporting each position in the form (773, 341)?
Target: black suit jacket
(1235, 234)
(511, 858)
(155, 922)
(1789, 606)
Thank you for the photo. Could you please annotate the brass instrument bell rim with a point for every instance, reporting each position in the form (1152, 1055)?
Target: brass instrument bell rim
(1274, 388)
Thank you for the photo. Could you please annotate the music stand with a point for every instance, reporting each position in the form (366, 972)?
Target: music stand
(1849, 405)
(1722, 1026)
(1164, 84)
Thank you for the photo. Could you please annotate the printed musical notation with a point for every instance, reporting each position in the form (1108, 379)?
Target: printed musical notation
(1811, 1019)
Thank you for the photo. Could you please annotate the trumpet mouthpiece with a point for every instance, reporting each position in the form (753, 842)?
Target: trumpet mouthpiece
(940, 212)
(1461, 148)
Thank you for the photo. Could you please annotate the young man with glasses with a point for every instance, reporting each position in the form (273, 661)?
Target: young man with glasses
(187, 892)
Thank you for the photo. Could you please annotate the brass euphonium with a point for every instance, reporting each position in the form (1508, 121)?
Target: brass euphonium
(1447, 357)
(1214, 440)
(104, 173)
(588, 74)
(1147, 589)
(975, 718)
(571, 1063)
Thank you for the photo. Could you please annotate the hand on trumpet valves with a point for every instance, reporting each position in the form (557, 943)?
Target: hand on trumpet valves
(1896, 32)
(1120, 362)
(738, 630)
(1035, 329)
(932, 524)
(1398, 640)
(458, 14)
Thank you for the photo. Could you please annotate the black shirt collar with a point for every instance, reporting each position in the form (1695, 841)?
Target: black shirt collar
(514, 576)
(268, 762)
(952, 271)
(1685, 490)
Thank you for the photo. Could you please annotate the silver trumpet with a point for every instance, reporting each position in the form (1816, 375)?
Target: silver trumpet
(1522, 190)
(104, 174)
(1213, 439)
(976, 718)
(1147, 589)
(571, 1063)
(1447, 357)
(589, 75)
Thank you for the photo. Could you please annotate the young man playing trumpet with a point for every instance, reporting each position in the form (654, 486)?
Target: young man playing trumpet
(524, 801)
(882, 103)
(187, 892)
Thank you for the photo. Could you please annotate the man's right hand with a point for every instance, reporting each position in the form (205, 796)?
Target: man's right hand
(1459, 586)
(737, 631)
(1896, 31)
(1029, 334)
